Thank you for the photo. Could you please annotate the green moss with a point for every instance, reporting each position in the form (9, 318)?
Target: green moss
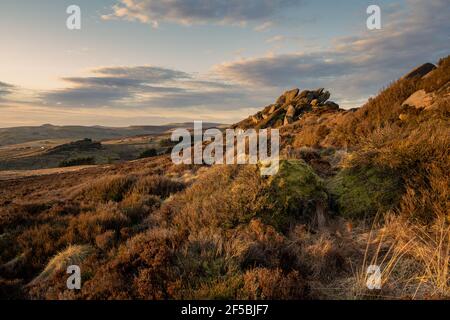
(363, 192)
(293, 194)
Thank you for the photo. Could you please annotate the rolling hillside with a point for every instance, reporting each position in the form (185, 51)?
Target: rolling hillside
(355, 188)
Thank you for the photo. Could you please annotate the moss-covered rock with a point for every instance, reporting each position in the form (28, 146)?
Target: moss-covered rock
(294, 194)
(362, 192)
(229, 196)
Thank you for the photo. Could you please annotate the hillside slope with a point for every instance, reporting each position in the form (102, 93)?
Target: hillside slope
(355, 188)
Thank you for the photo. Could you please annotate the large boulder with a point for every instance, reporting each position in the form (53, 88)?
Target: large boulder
(288, 96)
(295, 193)
(420, 71)
(420, 99)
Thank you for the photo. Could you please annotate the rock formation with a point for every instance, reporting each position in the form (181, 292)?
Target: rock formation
(290, 107)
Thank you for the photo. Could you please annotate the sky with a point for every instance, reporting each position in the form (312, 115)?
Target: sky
(143, 62)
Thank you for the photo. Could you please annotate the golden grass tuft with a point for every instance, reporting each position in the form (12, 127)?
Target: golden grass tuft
(72, 255)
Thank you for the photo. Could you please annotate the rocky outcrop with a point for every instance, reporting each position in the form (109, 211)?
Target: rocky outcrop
(290, 107)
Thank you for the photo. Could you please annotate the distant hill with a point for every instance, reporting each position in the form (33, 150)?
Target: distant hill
(18, 135)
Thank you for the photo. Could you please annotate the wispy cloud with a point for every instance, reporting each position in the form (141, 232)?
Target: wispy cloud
(146, 86)
(264, 26)
(200, 11)
(5, 89)
(277, 38)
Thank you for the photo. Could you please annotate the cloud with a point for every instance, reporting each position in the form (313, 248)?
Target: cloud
(277, 38)
(114, 85)
(5, 89)
(150, 74)
(189, 12)
(264, 27)
(145, 86)
(360, 65)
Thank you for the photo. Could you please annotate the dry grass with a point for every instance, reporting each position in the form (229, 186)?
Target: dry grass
(414, 261)
(73, 255)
